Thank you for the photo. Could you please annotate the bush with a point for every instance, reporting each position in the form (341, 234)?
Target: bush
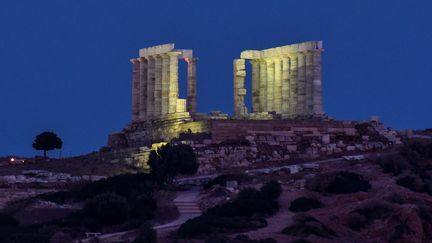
(144, 207)
(303, 204)
(222, 179)
(7, 220)
(271, 190)
(341, 182)
(170, 160)
(305, 225)
(393, 164)
(146, 235)
(356, 221)
(106, 209)
(412, 182)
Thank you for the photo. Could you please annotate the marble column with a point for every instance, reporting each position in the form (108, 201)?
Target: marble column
(301, 87)
(293, 84)
(239, 88)
(150, 86)
(191, 103)
(317, 85)
(255, 86)
(173, 82)
(158, 86)
(270, 85)
(277, 85)
(165, 84)
(285, 86)
(309, 83)
(263, 85)
(135, 89)
(143, 89)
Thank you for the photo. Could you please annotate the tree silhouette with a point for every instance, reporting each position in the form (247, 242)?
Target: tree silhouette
(170, 160)
(47, 141)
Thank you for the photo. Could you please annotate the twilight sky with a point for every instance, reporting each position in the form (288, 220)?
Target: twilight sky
(65, 67)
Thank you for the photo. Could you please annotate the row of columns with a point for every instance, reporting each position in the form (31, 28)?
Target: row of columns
(155, 86)
(290, 85)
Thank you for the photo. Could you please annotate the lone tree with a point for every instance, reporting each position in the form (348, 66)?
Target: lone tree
(47, 141)
(170, 160)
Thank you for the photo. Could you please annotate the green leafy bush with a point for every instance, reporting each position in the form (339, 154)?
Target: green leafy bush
(271, 190)
(222, 179)
(146, 234)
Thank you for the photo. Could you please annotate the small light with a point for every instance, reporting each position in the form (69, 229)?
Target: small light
(12, 159)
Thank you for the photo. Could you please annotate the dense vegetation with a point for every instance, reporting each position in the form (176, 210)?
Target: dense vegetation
(341, 182)
(305, 225)
(171, 160)
(303, 204)
(245, 212)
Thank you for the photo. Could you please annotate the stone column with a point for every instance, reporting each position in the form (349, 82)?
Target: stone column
(173, 82)
(165, 84)
(143, 89)
(158, 86)
(270, 85)
(309, 83)
(263, 85)
(285, 86)
(301, 87)
(293, 84)
(150, 86)
(317, 85)
(135, 89)
(191, 86)
(278, 85)
(239, 88)
(255, 86)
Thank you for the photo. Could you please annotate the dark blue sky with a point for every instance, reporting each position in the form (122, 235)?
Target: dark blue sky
(65, 64)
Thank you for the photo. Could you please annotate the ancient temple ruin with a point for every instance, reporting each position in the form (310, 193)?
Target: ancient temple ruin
(286, 120)
(155, 93)
(286, 82)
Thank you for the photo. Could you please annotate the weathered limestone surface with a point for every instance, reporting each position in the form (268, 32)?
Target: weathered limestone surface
(135, 89)
(239, 87)
(191, 85)
(288, 80)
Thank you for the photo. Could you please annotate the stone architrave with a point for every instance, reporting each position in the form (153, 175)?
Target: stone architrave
(143, 89)
(255, 86)
(263, 86)
(285, 86)
(239, 87)
(165, 84)
(158, 86)
(135, 89)
(191, 85)
(277, 85)
(150, 86)
(270, 85)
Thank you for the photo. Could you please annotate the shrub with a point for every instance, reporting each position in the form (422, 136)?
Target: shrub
(222, 179)
(305, 225)
(412, 182)
(303, 204)
(356, 221)
(7, 220)
(393, 164)
(271, 190)
(341, 182)
(146, 235)
(106, 209)
(170, 160)
(144, 207)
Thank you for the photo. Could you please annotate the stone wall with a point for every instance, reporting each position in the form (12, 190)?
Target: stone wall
(245, 143)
